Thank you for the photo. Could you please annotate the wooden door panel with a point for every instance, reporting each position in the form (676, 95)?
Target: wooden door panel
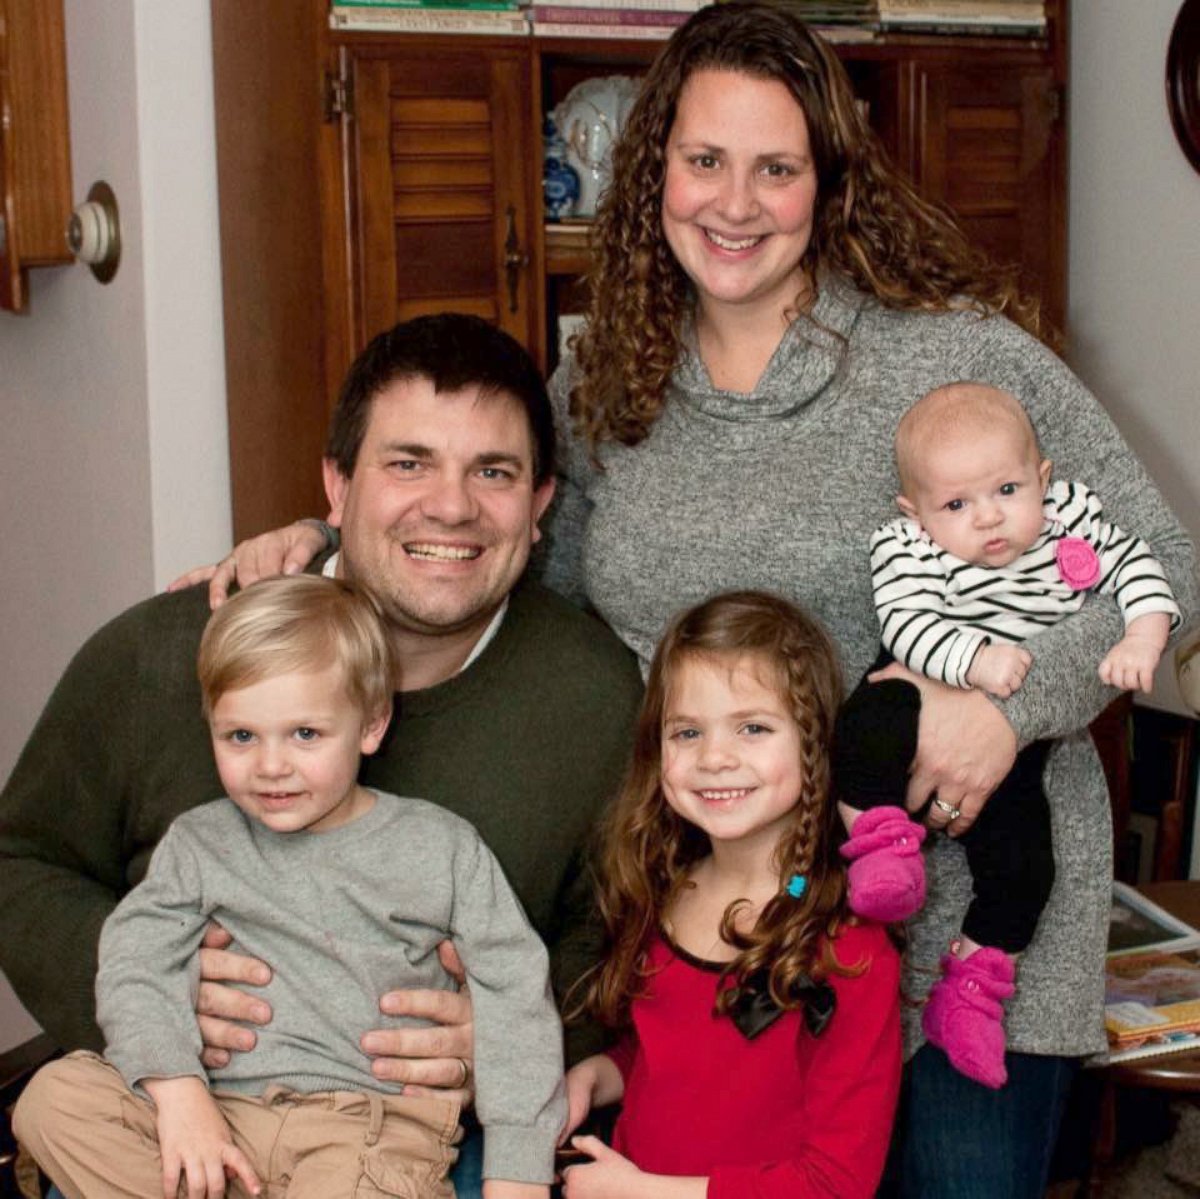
(987, 141)
(442, 218)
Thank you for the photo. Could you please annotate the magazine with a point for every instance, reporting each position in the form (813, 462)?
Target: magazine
(1152, 980)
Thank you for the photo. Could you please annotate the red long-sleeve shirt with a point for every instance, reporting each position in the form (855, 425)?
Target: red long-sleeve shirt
(783, 1116)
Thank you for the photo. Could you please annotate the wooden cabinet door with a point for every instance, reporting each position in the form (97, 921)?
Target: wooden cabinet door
(441, 208)
(35, 148)
(987, 139)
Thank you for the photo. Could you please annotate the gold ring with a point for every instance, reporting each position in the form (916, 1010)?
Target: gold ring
(466, 1073)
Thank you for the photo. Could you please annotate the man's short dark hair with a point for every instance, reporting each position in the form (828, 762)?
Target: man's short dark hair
(453, 351)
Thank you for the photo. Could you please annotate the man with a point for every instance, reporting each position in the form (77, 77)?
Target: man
(514, 708)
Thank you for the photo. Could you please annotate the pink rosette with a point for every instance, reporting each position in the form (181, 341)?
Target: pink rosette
(1078, 565)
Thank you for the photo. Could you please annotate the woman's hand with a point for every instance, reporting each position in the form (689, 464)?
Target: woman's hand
(195, 1142)
(965, 747)
(285, 551)
(218, 1006)
(436, 1060)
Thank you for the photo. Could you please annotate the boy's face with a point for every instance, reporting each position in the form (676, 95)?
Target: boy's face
(981, 497)
(288, 749)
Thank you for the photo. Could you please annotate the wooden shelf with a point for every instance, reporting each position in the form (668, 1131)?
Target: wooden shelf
(567, 250)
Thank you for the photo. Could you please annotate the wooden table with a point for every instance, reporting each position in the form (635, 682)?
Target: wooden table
(1179, 1072)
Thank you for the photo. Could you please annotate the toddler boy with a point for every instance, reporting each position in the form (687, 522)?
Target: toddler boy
(347, 893)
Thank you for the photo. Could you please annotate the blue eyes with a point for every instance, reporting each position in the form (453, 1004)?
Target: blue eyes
(307, 734)
(241, 736)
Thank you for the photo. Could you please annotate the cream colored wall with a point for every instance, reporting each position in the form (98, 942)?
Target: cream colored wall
(114, 473)
(1135, 253)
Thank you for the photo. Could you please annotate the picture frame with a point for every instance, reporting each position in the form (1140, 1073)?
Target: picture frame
(1183, 80)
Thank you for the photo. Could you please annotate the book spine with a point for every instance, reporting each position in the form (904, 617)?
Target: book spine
(1028, 8)
(973, 27)
(615, 6)
(372, 8)
(412, 20)
(629, 32)
(561, 13)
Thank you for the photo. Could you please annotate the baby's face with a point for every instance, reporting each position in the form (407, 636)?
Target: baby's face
(979, 497)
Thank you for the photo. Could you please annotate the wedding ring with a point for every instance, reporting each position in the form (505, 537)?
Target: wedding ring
(942, 806)
(466, 1074)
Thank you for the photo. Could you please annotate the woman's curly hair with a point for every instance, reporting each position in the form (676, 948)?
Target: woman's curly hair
(870, 225)
(648, 850)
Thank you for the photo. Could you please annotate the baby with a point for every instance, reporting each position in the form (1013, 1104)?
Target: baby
(988, 553)
(347, 893)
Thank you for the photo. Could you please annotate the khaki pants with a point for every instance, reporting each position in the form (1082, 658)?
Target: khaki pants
(98, 1140)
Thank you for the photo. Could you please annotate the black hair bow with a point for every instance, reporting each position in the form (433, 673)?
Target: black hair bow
(753, 1009)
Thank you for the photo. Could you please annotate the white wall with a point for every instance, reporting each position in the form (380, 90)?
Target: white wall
(115, 474)
(1134, 225)
(1135, 254)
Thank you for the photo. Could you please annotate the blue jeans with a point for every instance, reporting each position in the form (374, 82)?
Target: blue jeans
(956, 1139)
(467, 1175)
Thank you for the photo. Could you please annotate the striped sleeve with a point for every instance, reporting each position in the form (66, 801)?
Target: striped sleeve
(1129, 570)
(909, 585)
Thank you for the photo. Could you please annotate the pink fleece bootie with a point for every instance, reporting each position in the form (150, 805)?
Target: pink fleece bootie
(965, 1017)
(887, 873)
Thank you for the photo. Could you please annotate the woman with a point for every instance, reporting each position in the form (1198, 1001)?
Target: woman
(769, 298)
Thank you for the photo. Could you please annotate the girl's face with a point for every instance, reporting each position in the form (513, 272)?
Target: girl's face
(737, 206)
(730, 749)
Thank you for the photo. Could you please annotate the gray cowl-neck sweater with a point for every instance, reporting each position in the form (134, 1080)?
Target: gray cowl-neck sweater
(781, 489)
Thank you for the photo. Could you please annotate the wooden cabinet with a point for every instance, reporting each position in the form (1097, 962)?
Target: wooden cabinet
(443, 215)
(35, 148)
(369, 177)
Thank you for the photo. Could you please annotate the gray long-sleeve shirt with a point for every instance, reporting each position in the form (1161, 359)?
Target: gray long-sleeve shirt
(782, 488)
(341, 917)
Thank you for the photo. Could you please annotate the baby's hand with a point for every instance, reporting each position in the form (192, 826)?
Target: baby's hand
(195, 1142)
(1130, 663)
(999, 669)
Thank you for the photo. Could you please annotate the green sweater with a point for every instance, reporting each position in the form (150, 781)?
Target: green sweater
(527, 744)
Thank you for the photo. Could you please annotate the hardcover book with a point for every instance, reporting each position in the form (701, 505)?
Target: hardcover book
(1151, 980)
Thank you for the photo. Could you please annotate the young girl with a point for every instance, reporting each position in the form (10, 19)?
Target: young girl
(761, 1046)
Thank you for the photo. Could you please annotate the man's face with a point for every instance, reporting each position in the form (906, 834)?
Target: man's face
(440, 513)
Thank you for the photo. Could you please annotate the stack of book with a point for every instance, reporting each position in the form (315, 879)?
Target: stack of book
(1151, 980)
(505, 17)
(610, 18)
(1011, 18)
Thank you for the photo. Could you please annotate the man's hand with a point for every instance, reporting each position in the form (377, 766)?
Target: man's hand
(965, 747)
(1131, 663)
(217, 1005)
(436, 1060)
(285, 551)
(195, 1142)
(999, 669)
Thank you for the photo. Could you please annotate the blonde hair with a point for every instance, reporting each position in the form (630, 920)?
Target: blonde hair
(303, 622)
(952, 412)
(648, 849)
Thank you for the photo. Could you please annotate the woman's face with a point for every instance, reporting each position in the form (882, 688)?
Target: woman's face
(740, 190)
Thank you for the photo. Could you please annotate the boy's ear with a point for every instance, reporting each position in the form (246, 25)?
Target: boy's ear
(907, 507)
(1044, 472)
(373, 731)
